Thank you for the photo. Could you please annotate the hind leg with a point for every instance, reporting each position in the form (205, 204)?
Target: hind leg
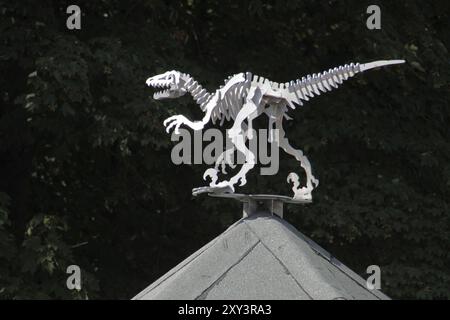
(238, 136)
(225, 158)
(311, 181)
(250, 110)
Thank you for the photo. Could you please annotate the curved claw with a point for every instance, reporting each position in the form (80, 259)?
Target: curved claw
(315, 182)
(221, 165)
(170, 126)
(168, 120)
(174, 121)
(243, 181)
(292, 177)
(212, 173)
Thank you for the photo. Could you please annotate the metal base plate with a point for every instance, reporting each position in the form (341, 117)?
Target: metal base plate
(258, 197)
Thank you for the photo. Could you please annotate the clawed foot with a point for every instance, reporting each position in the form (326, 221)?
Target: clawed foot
(216, 189)
(302, 194)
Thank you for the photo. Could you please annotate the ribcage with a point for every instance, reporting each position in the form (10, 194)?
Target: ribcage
(231, 101)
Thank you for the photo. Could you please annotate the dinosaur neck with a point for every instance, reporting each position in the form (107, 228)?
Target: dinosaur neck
(200, 95)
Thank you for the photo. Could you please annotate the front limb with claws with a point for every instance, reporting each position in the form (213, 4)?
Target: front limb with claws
(175, 122)
(178, 120)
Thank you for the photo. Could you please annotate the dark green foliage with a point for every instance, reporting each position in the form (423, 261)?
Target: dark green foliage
(85, 170)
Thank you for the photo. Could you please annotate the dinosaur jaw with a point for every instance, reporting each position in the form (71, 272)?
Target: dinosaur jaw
(168, 91)
(163, 94)
(165, 85)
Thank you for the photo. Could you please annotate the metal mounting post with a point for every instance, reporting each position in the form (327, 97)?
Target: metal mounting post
(257, 203)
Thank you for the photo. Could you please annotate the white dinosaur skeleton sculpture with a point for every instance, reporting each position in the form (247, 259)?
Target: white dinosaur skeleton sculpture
(244, 97)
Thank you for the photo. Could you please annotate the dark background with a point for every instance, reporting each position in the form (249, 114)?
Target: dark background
(85, 171)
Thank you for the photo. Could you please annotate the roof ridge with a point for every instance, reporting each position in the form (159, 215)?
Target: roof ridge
(185, 262)
(324, 254)
(215, 282)
(280, 261)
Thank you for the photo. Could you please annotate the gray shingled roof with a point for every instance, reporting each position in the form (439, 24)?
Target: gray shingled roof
(260, 257)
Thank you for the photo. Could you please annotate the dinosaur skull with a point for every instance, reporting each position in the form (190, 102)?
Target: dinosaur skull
(170, 81)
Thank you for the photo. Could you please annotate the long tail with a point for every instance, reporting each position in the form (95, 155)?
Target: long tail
(311, 85)
(380, 63)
